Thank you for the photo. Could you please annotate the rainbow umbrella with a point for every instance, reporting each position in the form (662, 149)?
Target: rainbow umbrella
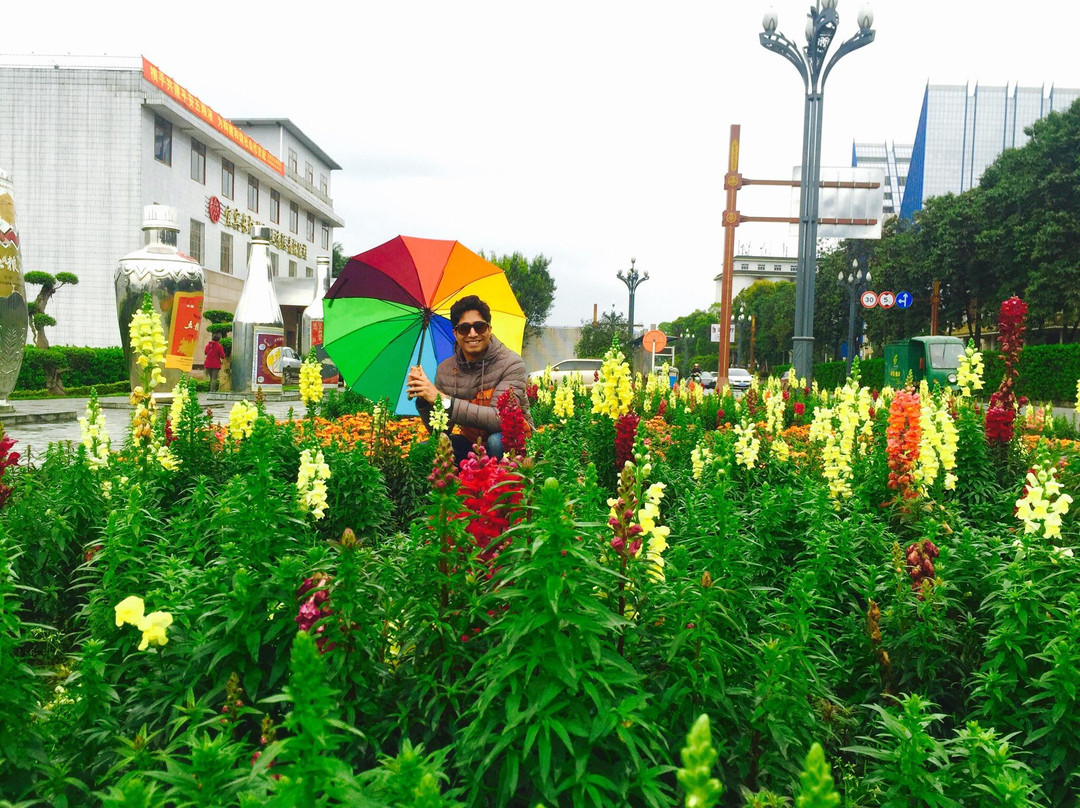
(390, 309)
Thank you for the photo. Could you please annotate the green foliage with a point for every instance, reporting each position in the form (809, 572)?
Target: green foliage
(596, 338)
(532, 283)
(82, 366)
(817, 782)
(698, 758)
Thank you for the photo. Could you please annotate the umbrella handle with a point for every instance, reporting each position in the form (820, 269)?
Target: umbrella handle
(423, 335)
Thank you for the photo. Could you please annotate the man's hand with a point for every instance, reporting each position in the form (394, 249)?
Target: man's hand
(419, 386)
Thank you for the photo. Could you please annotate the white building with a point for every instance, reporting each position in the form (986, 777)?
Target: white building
(90, 140)
(752, 268)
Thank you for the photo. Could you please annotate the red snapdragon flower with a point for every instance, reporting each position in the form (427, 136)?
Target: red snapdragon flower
(625, 435)
(511, 422)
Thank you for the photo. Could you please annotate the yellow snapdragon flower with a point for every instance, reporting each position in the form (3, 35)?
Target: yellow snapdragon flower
(969, 371)
(612, 394)
(153, 626)
(311, 391)
(747, 445)
(564, 403)
(311, 482)
(242, 419)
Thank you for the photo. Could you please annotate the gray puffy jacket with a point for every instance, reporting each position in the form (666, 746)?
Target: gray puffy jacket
(476, 386)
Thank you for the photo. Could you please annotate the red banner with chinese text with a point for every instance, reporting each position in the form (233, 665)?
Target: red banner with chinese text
(183, 330)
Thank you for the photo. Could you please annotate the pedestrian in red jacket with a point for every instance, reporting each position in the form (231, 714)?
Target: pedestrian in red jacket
(214, 354)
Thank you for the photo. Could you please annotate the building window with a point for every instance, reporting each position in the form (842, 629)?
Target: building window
(324, 184)
(760, 267)
(253, 194)
(292, 269)
(195, 243)
(275, 206)
(292, 161)
(294, 217)
(311, 227)
(198, 161)
(226, 253)
(777, 267)
(273, 263)
(744, 266)
(309, 174)
(309, 272)
(162, 141)
(228, 175)
(325, 236)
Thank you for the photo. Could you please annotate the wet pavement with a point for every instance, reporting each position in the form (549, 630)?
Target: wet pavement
(36, 423)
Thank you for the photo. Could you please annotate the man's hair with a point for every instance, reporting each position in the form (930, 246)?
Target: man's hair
(469, 303)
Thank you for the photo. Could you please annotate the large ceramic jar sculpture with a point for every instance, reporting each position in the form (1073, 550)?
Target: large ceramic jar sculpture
(311, 325)
(13, 315)
(258, 330)
(175, 284)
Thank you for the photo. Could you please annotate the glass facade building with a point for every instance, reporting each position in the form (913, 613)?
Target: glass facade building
(893, 159)
(961, 131)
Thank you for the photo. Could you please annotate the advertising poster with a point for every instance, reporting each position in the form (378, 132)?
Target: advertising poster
(267, 356)
(183, 330)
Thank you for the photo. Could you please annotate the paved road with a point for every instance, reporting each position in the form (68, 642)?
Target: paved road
(35, 437)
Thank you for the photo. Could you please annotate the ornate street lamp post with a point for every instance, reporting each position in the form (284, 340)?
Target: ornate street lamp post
(856, 282)
(685, 337)
(821, 25)
(743, 319)
(632, 280)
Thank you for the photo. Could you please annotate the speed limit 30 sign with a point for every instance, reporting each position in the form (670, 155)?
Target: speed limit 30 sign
(869, 299)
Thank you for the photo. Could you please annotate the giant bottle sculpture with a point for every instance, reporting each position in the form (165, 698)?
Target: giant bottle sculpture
(258, 331)
(175, 284)
(13, 316)
(311, 324)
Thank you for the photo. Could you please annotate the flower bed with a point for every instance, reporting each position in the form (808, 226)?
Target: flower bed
(869, 599)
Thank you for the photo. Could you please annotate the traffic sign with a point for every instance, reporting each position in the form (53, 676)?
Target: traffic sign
(654, 341)
(869, 299)
(904, 300)
(886, 300)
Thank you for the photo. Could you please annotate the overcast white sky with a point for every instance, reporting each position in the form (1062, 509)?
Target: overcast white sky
(590, 131)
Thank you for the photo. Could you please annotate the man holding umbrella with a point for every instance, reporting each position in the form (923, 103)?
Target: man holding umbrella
(471, 380)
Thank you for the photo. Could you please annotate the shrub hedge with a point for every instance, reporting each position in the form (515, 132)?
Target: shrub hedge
(85, 366)
(1047, 372)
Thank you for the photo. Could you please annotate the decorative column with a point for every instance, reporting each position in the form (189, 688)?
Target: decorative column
(258, 332)
(175, 284)
(13, 313)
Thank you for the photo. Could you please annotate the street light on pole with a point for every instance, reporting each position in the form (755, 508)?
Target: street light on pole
(632, 280)
(821, 25)
(856, 282)
(743, 319)
(685, 337)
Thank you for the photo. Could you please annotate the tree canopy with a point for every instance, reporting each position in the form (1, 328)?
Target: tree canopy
(596, 337)
(532, 284)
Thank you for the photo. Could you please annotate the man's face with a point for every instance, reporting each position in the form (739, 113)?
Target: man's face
(473, 344)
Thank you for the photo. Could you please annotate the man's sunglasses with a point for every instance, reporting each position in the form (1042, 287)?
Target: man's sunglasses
(480, 327)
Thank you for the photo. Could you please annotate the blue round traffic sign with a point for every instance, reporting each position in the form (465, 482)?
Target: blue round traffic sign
(904, 300)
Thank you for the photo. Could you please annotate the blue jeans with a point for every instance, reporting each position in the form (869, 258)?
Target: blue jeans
(462, 446)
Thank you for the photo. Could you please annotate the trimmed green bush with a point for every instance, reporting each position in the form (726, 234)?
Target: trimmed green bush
(1047, 372)
(85, 366)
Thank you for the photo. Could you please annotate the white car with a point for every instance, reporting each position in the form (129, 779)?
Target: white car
(739, 379)
(585, 369)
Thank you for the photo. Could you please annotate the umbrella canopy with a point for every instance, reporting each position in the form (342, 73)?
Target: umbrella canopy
(390, 309)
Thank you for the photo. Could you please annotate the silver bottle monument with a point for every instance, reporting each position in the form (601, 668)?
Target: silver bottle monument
(311, 325)
(175, 284)
(13, 316)
(258, 331)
